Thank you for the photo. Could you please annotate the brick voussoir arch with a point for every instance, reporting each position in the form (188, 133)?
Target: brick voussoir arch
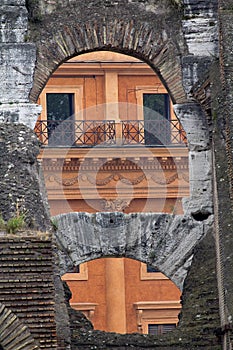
(135, 38)
(13, 334)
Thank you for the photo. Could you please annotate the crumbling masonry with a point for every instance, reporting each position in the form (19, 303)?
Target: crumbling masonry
(189, 44)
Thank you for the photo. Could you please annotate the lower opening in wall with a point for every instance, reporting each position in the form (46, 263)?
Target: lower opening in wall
(123, 295)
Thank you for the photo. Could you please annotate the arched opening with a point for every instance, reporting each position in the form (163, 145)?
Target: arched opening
(112, 143)
(111, 118)
(124, 295)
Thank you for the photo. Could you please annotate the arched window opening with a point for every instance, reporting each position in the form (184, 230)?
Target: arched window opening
(125, 296)
(110, 138)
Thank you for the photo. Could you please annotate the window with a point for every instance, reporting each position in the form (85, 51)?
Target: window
(157, 329)
(157, 317)
(60, 111)
(156, 106)
(156, 112)
(61, 106)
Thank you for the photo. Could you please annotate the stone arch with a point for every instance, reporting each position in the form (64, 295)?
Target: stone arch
(153, 33)
(13, 334)
(145, 35)
(162, 240)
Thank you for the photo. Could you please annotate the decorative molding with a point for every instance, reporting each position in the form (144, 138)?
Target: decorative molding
(157, 178)
(88, 309)
(161, 180)
(156, 312)
(106, 165)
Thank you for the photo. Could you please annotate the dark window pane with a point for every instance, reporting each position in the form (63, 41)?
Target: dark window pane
(157, 329)
(153, 329)
(156, 106)
(74, 269)
(156, 119)
(168, 327)
(150, 268)
(60, 110)
(59, 106)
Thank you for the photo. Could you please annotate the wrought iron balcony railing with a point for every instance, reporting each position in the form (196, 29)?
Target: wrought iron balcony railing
(89, 133)
(76, 133)
(161, 132)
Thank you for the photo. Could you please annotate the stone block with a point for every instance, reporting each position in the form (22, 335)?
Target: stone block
(195, 125)
(201, 36)
(194, 69)
(200, 165)
(17, 62)
(13, 2)
(23, 113)
(13, 24)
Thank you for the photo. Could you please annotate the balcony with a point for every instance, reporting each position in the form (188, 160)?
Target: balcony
(109, 133)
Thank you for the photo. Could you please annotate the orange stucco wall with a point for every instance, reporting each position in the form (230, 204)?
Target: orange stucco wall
(94, 291)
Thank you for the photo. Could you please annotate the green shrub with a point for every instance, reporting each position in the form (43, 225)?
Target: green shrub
(2, 223)
(15, 224)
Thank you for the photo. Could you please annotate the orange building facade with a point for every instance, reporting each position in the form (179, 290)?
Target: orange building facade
(111, 142)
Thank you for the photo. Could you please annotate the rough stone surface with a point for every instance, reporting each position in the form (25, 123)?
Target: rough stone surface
(161, 240)
(17, 63)
(223, 180)
(21, 187)
(13, 25)
(22, 113)
(11, 326)
(62, 317)
(200, 159)
(200, 27)
(16, 75)
(181, 44)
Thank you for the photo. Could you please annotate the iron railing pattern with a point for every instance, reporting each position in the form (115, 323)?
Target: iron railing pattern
(89, 133)
(153, 132)
(76, 133)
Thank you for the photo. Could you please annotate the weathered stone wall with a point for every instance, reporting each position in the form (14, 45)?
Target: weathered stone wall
(181, 44)
(21, 184)
(14, 333)
(161, 240)
(17, 63)
(222, 76)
